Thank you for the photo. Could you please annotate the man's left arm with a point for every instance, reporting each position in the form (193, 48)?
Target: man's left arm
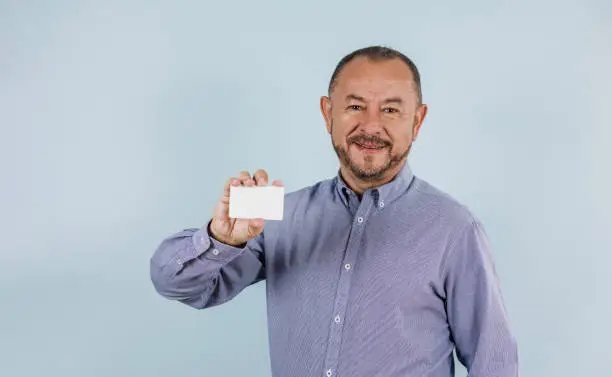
(475, 309)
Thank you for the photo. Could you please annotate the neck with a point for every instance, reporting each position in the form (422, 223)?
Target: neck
(359, 186)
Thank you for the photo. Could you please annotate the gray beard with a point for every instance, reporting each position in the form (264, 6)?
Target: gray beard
(369, 175)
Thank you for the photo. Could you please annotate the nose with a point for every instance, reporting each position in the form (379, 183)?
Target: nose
(372, 121)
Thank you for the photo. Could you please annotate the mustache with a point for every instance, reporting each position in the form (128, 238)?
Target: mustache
(369, 139)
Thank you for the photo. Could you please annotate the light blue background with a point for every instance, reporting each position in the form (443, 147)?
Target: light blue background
(121, 121)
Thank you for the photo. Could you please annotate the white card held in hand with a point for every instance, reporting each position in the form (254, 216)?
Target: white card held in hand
(256, 202)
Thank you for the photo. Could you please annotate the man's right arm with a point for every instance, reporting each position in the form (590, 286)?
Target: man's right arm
(194, 268)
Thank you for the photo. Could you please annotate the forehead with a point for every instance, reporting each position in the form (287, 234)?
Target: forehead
(372, 79)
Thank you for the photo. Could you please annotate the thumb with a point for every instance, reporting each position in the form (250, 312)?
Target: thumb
(255, 227)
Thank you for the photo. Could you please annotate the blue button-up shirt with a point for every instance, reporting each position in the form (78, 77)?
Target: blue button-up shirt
(386, 285)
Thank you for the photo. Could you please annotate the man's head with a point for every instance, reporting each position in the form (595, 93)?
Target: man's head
(373, 112)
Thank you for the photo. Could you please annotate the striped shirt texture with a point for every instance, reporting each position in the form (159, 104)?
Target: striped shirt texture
(386, 285)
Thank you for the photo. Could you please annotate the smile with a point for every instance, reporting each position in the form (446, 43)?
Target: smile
(369, 147)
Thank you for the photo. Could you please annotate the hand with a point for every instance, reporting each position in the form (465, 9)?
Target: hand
(237, 232)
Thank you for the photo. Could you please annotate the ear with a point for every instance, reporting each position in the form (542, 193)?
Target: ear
(325, 105)
(419, 117)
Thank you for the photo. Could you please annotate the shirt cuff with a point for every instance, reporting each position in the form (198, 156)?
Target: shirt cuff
(207, 246)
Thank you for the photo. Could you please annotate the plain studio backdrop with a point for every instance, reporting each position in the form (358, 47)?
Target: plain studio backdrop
(120, 122)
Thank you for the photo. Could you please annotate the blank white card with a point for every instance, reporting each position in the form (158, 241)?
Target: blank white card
(255, 202)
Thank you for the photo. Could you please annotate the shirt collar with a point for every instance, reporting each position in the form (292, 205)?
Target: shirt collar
(382, 195)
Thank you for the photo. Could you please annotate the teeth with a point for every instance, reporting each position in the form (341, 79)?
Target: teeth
(370, 146)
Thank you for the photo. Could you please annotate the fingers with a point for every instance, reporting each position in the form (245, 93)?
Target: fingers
(226, 189)
(245, 178)
(221, 211)
(261, 177)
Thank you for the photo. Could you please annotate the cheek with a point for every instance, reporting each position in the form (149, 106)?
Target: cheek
(336, 134)
(402, 135)
(341, 125)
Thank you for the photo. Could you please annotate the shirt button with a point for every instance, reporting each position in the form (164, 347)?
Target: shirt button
(328, 373)
(360, 219)
(215, 252)
(382, 204)
(347, 266)
(337, 319)
(179, 261)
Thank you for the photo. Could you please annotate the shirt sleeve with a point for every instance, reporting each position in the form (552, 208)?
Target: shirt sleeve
(194, 268)
(476, 312)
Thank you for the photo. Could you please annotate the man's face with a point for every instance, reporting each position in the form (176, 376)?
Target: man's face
(373, 117)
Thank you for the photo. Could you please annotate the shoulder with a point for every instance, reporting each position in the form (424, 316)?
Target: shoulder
(463, 231)
(446, 208)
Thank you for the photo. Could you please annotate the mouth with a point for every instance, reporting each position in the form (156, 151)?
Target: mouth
(369, 147)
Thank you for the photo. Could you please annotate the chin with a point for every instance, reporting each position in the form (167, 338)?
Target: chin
(370, 173)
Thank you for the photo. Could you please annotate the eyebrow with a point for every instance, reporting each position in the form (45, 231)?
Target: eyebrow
(393, 100)
(386, 101)
(355, 97)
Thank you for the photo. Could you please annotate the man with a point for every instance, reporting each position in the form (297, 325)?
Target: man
(372, 273)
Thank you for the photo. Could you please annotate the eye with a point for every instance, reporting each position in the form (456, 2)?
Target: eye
(390, 110)
(354, 107)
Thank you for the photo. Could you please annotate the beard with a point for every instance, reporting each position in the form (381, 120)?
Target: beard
(369, 172)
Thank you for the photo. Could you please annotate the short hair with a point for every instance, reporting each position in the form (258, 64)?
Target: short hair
(377, 54)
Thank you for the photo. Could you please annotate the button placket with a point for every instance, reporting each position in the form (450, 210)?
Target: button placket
(344, 284)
